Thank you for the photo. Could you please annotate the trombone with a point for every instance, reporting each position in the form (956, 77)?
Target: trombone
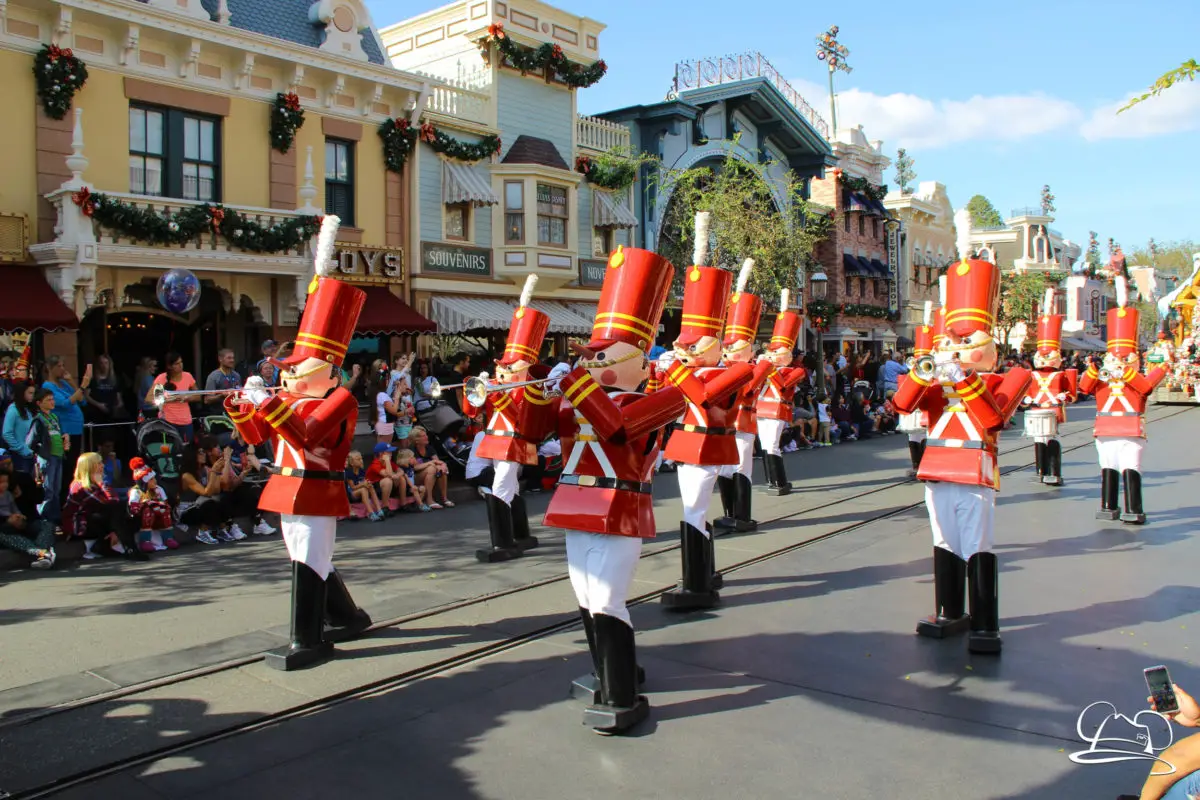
(160, 394)
(476, 390)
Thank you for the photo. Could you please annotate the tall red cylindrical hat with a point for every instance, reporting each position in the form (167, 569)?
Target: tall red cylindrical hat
(1049, 333)
(22, 361)
(705, 303)
(1122, 331)
(939, 327)
(525, 336)
(330, 316)
(972, 294)
(786, 332)
(745, 312)
(923, 341)
(632, 299)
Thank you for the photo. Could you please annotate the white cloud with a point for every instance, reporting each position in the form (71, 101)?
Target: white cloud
(1174, 111)
(906, 120)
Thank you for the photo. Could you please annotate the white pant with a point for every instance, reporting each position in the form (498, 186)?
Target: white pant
(745, 465)
(1120, 453)
(770, 431)
(504, 484)
(917, 436)
(695, 489)
(310, 541)
(601, 569)
(962, 517)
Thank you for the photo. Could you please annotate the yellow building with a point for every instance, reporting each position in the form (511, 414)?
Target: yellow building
(176, 113)
(927, 245)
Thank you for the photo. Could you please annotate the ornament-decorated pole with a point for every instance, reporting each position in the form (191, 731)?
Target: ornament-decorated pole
(834, 55)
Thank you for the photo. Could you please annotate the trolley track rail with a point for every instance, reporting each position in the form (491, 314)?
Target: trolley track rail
(409, 677)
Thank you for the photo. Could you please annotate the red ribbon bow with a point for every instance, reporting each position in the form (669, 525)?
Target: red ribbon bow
(218, 216)
(557, 53)
(83, 199)
(495, 31)
(292, 101)
(428, 134)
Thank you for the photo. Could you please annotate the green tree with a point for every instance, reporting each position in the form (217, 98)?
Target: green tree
(905, 174)
(1020, 294)
(746, 221)
(1174, 258)
(1185, 71)
(1093, 252)
(1148, 322)
(983, 213)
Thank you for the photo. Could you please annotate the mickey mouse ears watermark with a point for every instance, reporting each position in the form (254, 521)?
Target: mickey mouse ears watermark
(1114, 737)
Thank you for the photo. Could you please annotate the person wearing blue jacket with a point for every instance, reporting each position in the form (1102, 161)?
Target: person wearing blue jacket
(18, 419)
(69, 401)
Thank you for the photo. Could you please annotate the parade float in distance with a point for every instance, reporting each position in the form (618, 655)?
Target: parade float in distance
(1177, 345)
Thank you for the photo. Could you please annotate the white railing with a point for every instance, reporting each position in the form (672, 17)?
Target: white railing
(600, 134)
(458, 102)
(743, 66)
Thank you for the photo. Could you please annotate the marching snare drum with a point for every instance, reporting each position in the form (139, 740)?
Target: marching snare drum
(910, 423)
(1041, 422)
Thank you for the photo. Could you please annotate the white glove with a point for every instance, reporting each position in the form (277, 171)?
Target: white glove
(255, 392)
(950, 372)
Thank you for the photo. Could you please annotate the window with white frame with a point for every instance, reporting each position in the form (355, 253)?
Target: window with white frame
(514, 212)
(457, 222)
(552, 215)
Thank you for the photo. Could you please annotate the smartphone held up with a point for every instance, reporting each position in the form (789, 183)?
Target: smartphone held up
(1162, 690)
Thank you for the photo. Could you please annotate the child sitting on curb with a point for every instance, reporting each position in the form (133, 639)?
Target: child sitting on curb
(149, 507)
(359, 490)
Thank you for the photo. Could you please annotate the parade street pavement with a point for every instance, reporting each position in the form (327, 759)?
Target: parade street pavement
(807, 682)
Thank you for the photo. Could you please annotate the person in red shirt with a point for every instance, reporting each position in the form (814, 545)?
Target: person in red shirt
(383, 474)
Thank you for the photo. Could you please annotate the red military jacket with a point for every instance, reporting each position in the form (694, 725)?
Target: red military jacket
(922, 415)
(1121, 404)
(965, 421)
(1047, 385)
(747, 414)
(314, 436)
(775, 402)
(518, 420)
(610, 444)
(706, 436)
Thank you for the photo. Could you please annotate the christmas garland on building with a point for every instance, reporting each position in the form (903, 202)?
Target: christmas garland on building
(287, 117)
(617, 175)
(863, 186)
(400, 137)
(821, 313)
(864, 310)
(186, 225)
(59, 74)
(547, 56)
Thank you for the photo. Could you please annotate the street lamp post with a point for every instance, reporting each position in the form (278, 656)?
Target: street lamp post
(834, 55)
(819, 283)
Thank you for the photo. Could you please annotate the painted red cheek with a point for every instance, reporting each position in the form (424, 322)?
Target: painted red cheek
(300, 387)
(975, 357)
(608, 377)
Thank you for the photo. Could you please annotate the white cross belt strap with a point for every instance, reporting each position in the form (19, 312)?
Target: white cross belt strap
(587, 439)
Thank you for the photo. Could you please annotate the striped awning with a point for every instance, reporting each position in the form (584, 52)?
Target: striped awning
(461, 314)
(859, 202)
(853, 265)
(608, 211)
(880, 268)
(465, 183)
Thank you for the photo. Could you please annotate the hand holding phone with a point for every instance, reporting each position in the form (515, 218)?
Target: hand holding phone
(1162, 690)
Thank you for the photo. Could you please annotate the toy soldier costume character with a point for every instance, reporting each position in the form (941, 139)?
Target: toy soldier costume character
(736, 480)
(312, 419)
(703, 441)
(774, 405)
(1121, 393)
(1051, 390)
(968, 407)
(518, 420)
(603, 498)
(916, 424)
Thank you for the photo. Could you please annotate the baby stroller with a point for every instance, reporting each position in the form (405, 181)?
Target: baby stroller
(161, 447)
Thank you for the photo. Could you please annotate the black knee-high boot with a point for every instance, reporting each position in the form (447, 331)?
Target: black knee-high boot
(742, 504)
(1053, 475)
(1039, 458)
(949, 588)
(520, 517)
(1109, 486)
(308, 623)
(778, 483)
(500, 526)
(1133, 498)
(587, 687)
(344, 618)
(728, 504)
(915, 451)
(984, 592)
(696, 590)
(768, 469)
(620, 707)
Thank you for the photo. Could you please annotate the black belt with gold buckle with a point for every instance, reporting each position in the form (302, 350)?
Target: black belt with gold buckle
(593, 482)
(310, 474)
(701, 429)
(956, 444)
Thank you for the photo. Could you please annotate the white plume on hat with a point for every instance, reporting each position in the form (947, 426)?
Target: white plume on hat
(942, 290)
(527, 292)
(1122, 291)
(1048, 308)
(744, 276)
(962, 233)
(785, 297)
(928, 312)
(323, 257)
(700, 253)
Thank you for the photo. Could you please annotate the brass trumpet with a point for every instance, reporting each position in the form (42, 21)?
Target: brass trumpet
(924, 368)
(476, 390)
(160, 394)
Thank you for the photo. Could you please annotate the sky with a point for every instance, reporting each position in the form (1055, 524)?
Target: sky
(988, 98)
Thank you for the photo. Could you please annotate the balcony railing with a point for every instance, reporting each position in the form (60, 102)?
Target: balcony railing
(465, 96)
(744, 66)
(600, 134)
(1027, 211)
